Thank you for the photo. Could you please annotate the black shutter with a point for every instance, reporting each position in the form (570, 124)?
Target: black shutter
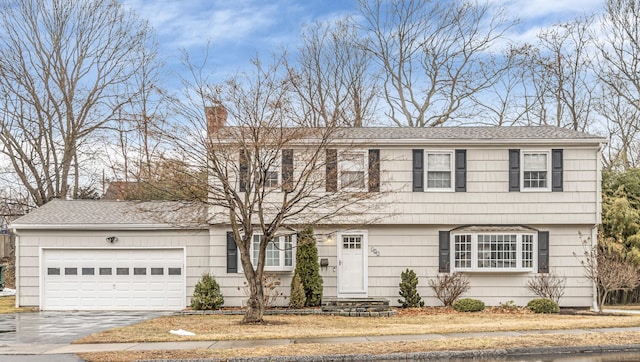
(514, 170)
(461, 170)
(232, 253)
(287, 170)
(244, 170)
(374, 170)
(556, 170)
(443, 252)
(543, 251)
(332, 170)
(418, 170)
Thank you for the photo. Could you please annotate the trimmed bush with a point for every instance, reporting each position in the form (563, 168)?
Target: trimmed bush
(207, 294)
(543, 305)
(409, 290)
(308, 268)
(468, 305)
(298, 298)
(449, 287)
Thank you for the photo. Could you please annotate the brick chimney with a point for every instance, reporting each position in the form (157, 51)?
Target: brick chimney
(216, 118)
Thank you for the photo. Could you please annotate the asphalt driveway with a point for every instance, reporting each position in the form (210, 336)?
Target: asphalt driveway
(63, 327)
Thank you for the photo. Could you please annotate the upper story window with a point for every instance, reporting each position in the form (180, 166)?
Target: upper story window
(494, 251)
(541, 170)
(439, 170)
(535, 170)
(352, 171)
(279, 253)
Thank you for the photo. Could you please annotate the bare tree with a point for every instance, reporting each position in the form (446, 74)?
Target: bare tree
(267, 175)
(332, 77)
(434, 56)
(619, 71)
(563, 74)
(607, 269)
(63, 70)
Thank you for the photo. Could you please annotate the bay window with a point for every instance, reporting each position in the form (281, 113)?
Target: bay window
(493, 251)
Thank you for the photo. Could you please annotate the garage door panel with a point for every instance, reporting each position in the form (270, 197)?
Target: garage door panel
(113, 279)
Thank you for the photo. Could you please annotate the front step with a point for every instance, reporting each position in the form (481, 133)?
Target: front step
(357, 307)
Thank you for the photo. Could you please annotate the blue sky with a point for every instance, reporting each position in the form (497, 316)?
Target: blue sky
(238, 29)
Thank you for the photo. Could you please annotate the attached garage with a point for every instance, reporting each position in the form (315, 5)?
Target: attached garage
(113, 279)
(110, 255)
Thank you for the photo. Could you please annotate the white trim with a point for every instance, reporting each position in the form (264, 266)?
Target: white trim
(341, 167)
(365, 264)
(112, 227)
(452, 172)
(549, 180)
(474, 252)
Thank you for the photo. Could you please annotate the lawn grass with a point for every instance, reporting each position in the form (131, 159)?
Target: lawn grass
(8, 305)
(406, 322)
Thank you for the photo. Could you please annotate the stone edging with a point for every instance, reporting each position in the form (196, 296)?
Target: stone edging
(388, 313)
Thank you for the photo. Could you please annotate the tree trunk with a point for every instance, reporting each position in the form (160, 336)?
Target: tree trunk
(255, 305)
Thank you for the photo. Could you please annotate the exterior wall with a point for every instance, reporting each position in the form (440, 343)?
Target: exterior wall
(487, 199)
(415, 247)
(29, 244)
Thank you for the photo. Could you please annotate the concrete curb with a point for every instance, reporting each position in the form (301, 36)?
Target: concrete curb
(426, 356)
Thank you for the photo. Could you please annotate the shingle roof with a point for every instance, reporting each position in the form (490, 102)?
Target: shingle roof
(466, 133)
(73, 213)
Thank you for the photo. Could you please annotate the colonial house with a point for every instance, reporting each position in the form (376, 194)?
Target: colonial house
(498, 204)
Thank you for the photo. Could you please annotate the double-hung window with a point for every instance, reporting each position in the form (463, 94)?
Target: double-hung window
(439, 170)
(494, 251)
(279, 253)
(352, 167)
(535, 170)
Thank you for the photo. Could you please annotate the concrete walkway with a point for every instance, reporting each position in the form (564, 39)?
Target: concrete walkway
(51, 349)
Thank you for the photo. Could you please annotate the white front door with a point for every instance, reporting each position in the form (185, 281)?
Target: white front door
(113, 279)
(352, 264)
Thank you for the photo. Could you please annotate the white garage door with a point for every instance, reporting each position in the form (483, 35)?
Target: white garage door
(113, 279)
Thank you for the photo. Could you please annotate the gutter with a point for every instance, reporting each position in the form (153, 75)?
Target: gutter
(108, 227)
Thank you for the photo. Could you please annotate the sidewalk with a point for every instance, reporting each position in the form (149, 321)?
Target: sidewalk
(50, 349)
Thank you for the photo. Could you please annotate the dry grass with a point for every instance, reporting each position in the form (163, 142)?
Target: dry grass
(422, 321)
(220, 327)
(8, 305)
(453, 344)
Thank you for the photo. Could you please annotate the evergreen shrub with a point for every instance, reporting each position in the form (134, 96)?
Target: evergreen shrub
(207, 294)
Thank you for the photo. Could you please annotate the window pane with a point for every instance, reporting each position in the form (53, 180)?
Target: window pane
(352, 179)
(256, 249)
(439, 162)
(463, 251)
(527, 251)
(175, 271)
(157, 271)
(273, 254)
(497, 251)
(70, 271)
(104, 271)
(139, 271)
(122, 271)
(535, 179)
(53, 271)
(88, 271)
(288, 251)
(439, 180)
(271, 179)
(535, 161)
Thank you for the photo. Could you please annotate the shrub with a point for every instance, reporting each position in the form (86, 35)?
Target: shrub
(468, 305)
(308, 268)
(207, 294)
(409, 291)
(543, 305)
(449, 287)
(547, 285)
(298, 298)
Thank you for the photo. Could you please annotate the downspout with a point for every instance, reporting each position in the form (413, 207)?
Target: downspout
(16, 270)
(597, 221)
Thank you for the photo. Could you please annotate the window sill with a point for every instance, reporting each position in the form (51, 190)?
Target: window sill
(494, 271)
